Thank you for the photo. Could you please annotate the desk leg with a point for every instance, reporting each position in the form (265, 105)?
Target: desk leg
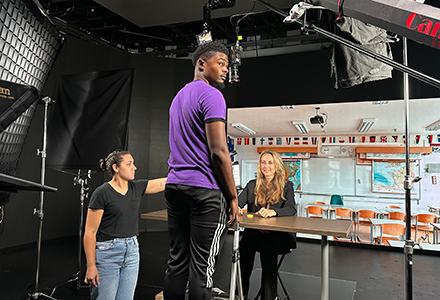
(435, 236)
(324, 268)
(235, 270)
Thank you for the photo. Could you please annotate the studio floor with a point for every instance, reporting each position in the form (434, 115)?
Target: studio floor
(378, 271)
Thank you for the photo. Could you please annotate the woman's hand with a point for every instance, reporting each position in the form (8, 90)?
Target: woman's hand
(92, 276)
(266, 213)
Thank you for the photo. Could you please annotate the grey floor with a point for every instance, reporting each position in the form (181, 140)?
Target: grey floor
(377, 272)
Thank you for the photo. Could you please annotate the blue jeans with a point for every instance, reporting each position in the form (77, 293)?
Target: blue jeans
(117, 261)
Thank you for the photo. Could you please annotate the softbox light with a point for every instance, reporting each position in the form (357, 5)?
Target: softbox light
(15, 99)
(89, 118)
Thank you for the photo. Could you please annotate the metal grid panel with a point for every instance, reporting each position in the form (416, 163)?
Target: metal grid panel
(29, 45)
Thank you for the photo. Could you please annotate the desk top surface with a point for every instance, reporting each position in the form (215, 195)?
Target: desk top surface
(436, 225)
(10, 183)
(386, 221)
(340, 228)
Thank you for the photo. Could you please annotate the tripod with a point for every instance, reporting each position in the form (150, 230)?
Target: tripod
(81, 180)
(39, 212)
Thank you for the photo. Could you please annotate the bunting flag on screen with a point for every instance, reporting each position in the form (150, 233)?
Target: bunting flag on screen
(262, 141)
(288, 140)
(296, 141)
(239, 141)
(270, 141)
(254, 140)
(246, 141)
(89, 118)
(395, 137)
(305, 141)
(430, 139)
(417, 138)
(230, 142)
(383, 139)
(279, 141)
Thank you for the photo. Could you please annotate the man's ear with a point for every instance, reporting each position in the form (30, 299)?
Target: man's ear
(200, 64)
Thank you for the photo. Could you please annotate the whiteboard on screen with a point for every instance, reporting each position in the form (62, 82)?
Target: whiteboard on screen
(328, 176)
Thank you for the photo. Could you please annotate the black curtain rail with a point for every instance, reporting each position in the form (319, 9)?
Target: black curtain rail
(396, 65)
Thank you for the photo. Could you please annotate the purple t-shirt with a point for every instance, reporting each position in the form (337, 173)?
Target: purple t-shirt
(194, 105)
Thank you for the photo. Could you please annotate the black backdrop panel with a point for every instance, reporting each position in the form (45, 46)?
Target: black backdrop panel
(89, 118)
(14, 100)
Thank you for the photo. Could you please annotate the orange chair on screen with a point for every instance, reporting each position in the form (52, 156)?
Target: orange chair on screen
(397, 215)
(314, 212)
(422, 224)
(363, 220)
(393, 206)
(344, 214)
(395, 232)
(319, 202)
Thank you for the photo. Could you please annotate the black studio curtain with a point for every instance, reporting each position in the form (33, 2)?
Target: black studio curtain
(89, 118)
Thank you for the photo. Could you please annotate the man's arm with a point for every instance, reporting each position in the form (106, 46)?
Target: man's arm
(216, 137)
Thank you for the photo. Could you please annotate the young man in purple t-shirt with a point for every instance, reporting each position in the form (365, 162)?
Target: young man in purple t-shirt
(200, 188)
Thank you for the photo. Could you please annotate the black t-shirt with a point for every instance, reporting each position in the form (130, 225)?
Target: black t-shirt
(121, 212)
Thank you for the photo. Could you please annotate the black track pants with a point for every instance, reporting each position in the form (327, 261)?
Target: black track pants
(196, 223)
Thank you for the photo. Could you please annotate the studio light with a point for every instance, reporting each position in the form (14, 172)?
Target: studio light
(434, 126)
(216, 4)
(300, 125)
(243, 128)
(366, 124)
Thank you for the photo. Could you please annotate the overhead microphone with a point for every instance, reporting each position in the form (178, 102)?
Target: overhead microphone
(235, 62)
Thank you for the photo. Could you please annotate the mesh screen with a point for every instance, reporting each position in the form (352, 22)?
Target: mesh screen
(29, 45)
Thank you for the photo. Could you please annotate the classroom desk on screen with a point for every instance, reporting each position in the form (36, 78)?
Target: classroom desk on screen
(379, 223)
(436, 228)
(323, 227)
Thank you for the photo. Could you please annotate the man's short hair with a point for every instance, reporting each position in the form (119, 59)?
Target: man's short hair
(208, 50)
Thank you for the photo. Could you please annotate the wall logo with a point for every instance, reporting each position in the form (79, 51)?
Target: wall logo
(5, 93)
(424, 26)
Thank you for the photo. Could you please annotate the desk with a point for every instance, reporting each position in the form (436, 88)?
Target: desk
(323, 227)
(422, 246)
(14, 184)
(436, 227)
(400, 244)
(427, 246)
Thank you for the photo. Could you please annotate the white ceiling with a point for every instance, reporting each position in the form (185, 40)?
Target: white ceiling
(152, 13)
(343, 118)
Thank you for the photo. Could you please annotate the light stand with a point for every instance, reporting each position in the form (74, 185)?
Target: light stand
(39, 212)
(409, 244)
(79, 179)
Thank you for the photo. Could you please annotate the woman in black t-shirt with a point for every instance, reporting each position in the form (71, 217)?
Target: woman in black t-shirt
(110, 236)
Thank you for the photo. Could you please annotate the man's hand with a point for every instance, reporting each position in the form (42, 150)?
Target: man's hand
(234, 211)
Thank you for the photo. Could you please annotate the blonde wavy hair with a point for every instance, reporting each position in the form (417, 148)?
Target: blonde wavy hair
(271, 194)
